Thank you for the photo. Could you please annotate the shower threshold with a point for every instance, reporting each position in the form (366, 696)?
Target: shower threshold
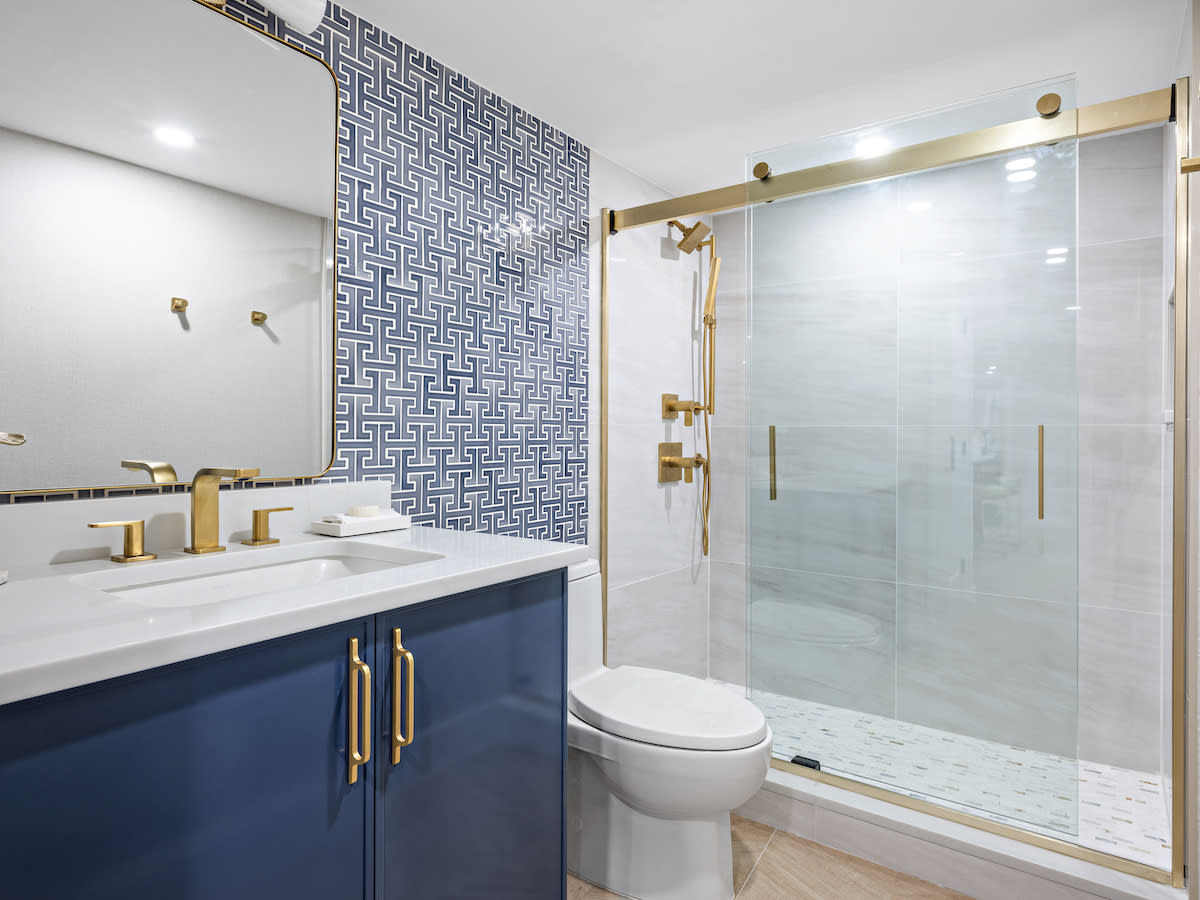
(1121, 812)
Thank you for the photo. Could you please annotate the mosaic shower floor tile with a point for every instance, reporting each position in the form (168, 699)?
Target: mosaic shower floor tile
(1118, 811)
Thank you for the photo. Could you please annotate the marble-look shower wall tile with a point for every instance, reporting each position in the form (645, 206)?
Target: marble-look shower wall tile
(974, 211)
(836, 506)
(727, 622)
(998, 668)
(1121, 516)
(727, 521)
(824, 353)
(661, 623)
(851, 232)
(968, 513)
(1122, 324)
(1121, 186)
(823, 638)
(732, 360)
(652, 528)
(654, 347)
(986, 342)
(1119, 688)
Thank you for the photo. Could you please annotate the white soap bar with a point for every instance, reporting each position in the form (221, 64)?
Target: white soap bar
(362, 511)
(346, 526)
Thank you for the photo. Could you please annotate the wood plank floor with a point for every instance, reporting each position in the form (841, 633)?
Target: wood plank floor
(775, 865)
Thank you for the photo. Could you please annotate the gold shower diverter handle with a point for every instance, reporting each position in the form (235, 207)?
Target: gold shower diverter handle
(672, 465)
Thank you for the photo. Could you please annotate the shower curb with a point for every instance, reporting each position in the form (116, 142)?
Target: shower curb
(983, 865)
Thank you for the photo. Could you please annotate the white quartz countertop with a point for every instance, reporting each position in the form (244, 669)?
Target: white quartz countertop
(71, 627)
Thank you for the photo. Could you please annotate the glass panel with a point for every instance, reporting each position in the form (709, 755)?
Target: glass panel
(912, 620)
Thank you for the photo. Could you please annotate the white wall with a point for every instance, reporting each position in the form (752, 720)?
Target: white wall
(94, 250)
(657, 576)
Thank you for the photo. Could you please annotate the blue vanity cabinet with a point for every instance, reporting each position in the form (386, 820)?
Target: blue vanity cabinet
(474, 807)
(226, 777)
(220, 778)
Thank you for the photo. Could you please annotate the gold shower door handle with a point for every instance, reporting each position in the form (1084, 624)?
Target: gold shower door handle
(360, 704)
(402, 739)
(771, 444)
(1041, 471)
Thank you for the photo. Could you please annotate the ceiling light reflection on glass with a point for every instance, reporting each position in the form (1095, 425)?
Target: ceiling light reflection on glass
(871, 147)
(1023, 175)
(1058, 251)
(1023, 162)
(174, 137)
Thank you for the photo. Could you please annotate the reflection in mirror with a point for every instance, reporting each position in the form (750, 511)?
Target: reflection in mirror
(165, 172)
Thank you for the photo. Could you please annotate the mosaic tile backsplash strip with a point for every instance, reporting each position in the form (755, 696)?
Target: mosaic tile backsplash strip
(462, 291)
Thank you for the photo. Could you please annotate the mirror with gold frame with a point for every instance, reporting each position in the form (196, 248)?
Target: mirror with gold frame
(167, 238)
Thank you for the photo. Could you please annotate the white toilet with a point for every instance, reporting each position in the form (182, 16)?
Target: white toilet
(655, 762)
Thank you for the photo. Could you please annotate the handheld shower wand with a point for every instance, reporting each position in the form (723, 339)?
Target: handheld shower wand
(693, 239)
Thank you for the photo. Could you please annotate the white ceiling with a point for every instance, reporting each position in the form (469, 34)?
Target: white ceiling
(680, 92)
(96, 76)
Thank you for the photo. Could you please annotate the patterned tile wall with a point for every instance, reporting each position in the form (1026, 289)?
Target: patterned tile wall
(462, 292)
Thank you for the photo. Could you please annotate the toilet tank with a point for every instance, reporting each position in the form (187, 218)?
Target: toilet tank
(585, 620)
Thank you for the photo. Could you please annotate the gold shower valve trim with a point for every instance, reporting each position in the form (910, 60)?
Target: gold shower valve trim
(672, 406)
(672, 464)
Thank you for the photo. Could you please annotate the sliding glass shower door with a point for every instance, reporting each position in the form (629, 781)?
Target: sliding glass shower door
(912, 552)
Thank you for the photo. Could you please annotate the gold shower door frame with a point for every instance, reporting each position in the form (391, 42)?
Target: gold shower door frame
(1156, 107)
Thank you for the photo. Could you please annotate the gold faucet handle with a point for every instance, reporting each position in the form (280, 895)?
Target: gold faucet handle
(135, 540)
(260, 529)
(160, 472)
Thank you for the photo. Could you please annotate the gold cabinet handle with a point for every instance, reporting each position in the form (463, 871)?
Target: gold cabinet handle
(135, 540)
(360, 704)
(402, 739)
(260, 527)
(1041, 471)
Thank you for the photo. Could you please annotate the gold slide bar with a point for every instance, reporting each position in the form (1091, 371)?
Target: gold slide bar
(1116, 115)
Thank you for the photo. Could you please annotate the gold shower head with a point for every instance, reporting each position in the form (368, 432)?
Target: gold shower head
(691, 236)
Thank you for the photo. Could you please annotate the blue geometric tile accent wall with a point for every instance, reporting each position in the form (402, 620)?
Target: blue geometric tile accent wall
(462, 290)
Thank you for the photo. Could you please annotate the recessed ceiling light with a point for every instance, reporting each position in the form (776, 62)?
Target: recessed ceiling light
(920, 206)
(174, 137)
(872, 146)
(1023, 175)
(1023, 162)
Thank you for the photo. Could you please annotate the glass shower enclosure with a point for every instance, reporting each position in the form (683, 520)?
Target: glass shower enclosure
(912, 475)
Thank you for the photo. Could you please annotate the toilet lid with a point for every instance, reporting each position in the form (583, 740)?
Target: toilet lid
(667, 709)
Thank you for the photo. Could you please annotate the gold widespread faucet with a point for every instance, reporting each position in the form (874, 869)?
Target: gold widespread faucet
(206, 508)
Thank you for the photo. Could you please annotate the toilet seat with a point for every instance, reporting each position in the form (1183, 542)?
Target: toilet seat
(667, 709)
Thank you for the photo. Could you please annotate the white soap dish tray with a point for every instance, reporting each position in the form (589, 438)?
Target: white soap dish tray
(354, 525)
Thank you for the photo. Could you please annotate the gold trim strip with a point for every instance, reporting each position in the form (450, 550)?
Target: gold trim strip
(605, 224)
(1128, 866)
(337, 129)
(1129, 112)
(1181, 628)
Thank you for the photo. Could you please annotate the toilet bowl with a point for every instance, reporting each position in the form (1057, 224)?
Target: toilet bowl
(655, 762)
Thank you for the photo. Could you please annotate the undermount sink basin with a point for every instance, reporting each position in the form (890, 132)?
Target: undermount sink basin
(199, 582)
